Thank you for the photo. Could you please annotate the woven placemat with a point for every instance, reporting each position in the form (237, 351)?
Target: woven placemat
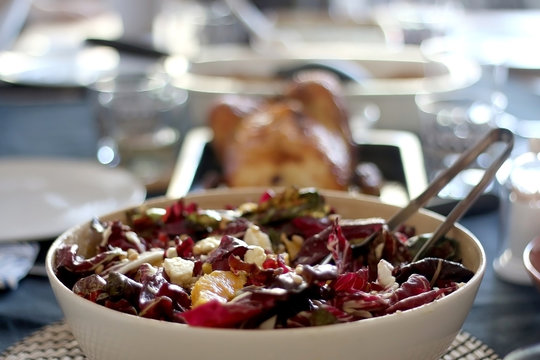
(56, 342)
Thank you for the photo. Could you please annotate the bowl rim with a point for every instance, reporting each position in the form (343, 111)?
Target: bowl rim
(462, 72)
(534, 244)
(254, 191)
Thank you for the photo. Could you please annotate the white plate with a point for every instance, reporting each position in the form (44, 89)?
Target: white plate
(40, 198)
(396, 76)
(482, 34)
(73, 68)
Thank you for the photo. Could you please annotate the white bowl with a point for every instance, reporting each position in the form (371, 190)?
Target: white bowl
(531, 260)
(421, 333)
(396, 76)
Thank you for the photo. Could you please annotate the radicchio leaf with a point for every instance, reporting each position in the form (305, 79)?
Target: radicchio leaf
(383, 246)
(361, 304)
(70, 266)
(255, 275)
(340, 248)
(67, 258)
(444, 248)
(121, 305)
(90, 287)
(352, 281)
(318, 273)
(307, 226)
(159, 299)
(120, 286)
(184, 247)
(219, 315)
(415, 301)
(122, 236)
(228, 246)
(236, 227)
(315, 248)
(322, 314)
(439, 272)
(174, 220)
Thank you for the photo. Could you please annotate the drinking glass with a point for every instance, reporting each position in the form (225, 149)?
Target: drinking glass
(141, 120)
(450, 123)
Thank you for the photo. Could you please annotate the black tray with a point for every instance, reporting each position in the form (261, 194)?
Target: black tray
(397, 154)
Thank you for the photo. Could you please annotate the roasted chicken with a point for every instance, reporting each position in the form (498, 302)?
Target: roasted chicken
(301, 138)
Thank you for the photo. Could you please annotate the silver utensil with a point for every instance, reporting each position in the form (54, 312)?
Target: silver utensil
(256, 22)
(494, 136)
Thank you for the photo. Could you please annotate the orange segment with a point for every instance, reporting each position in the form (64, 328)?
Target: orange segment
(218, 285)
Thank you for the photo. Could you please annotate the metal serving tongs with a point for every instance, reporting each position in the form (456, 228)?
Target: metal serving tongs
(495, 136)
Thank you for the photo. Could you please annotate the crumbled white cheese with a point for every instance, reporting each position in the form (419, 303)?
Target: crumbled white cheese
(297, 278)
(269, 323)
(384, 274)
(255, 236)
(151, 270)
(105, 236)
(133, 238)
(180, 270)
(255, 255)
(132, 254)
(156, 212)
(171, 252)
(204, 246)
(247, 207)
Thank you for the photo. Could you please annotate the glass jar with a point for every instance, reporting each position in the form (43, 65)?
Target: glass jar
(519, 182)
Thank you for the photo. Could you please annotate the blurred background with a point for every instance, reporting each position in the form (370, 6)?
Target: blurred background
(404, 65)
(401, 48)
(128, 84)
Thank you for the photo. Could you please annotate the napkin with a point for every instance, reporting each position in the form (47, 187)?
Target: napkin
(16, 260)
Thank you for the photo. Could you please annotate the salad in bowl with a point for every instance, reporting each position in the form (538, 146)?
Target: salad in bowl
(284, 262)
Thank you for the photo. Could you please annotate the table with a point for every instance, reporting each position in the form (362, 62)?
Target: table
(59, 123)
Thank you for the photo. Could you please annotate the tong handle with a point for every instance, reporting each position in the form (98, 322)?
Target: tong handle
(495, 135)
